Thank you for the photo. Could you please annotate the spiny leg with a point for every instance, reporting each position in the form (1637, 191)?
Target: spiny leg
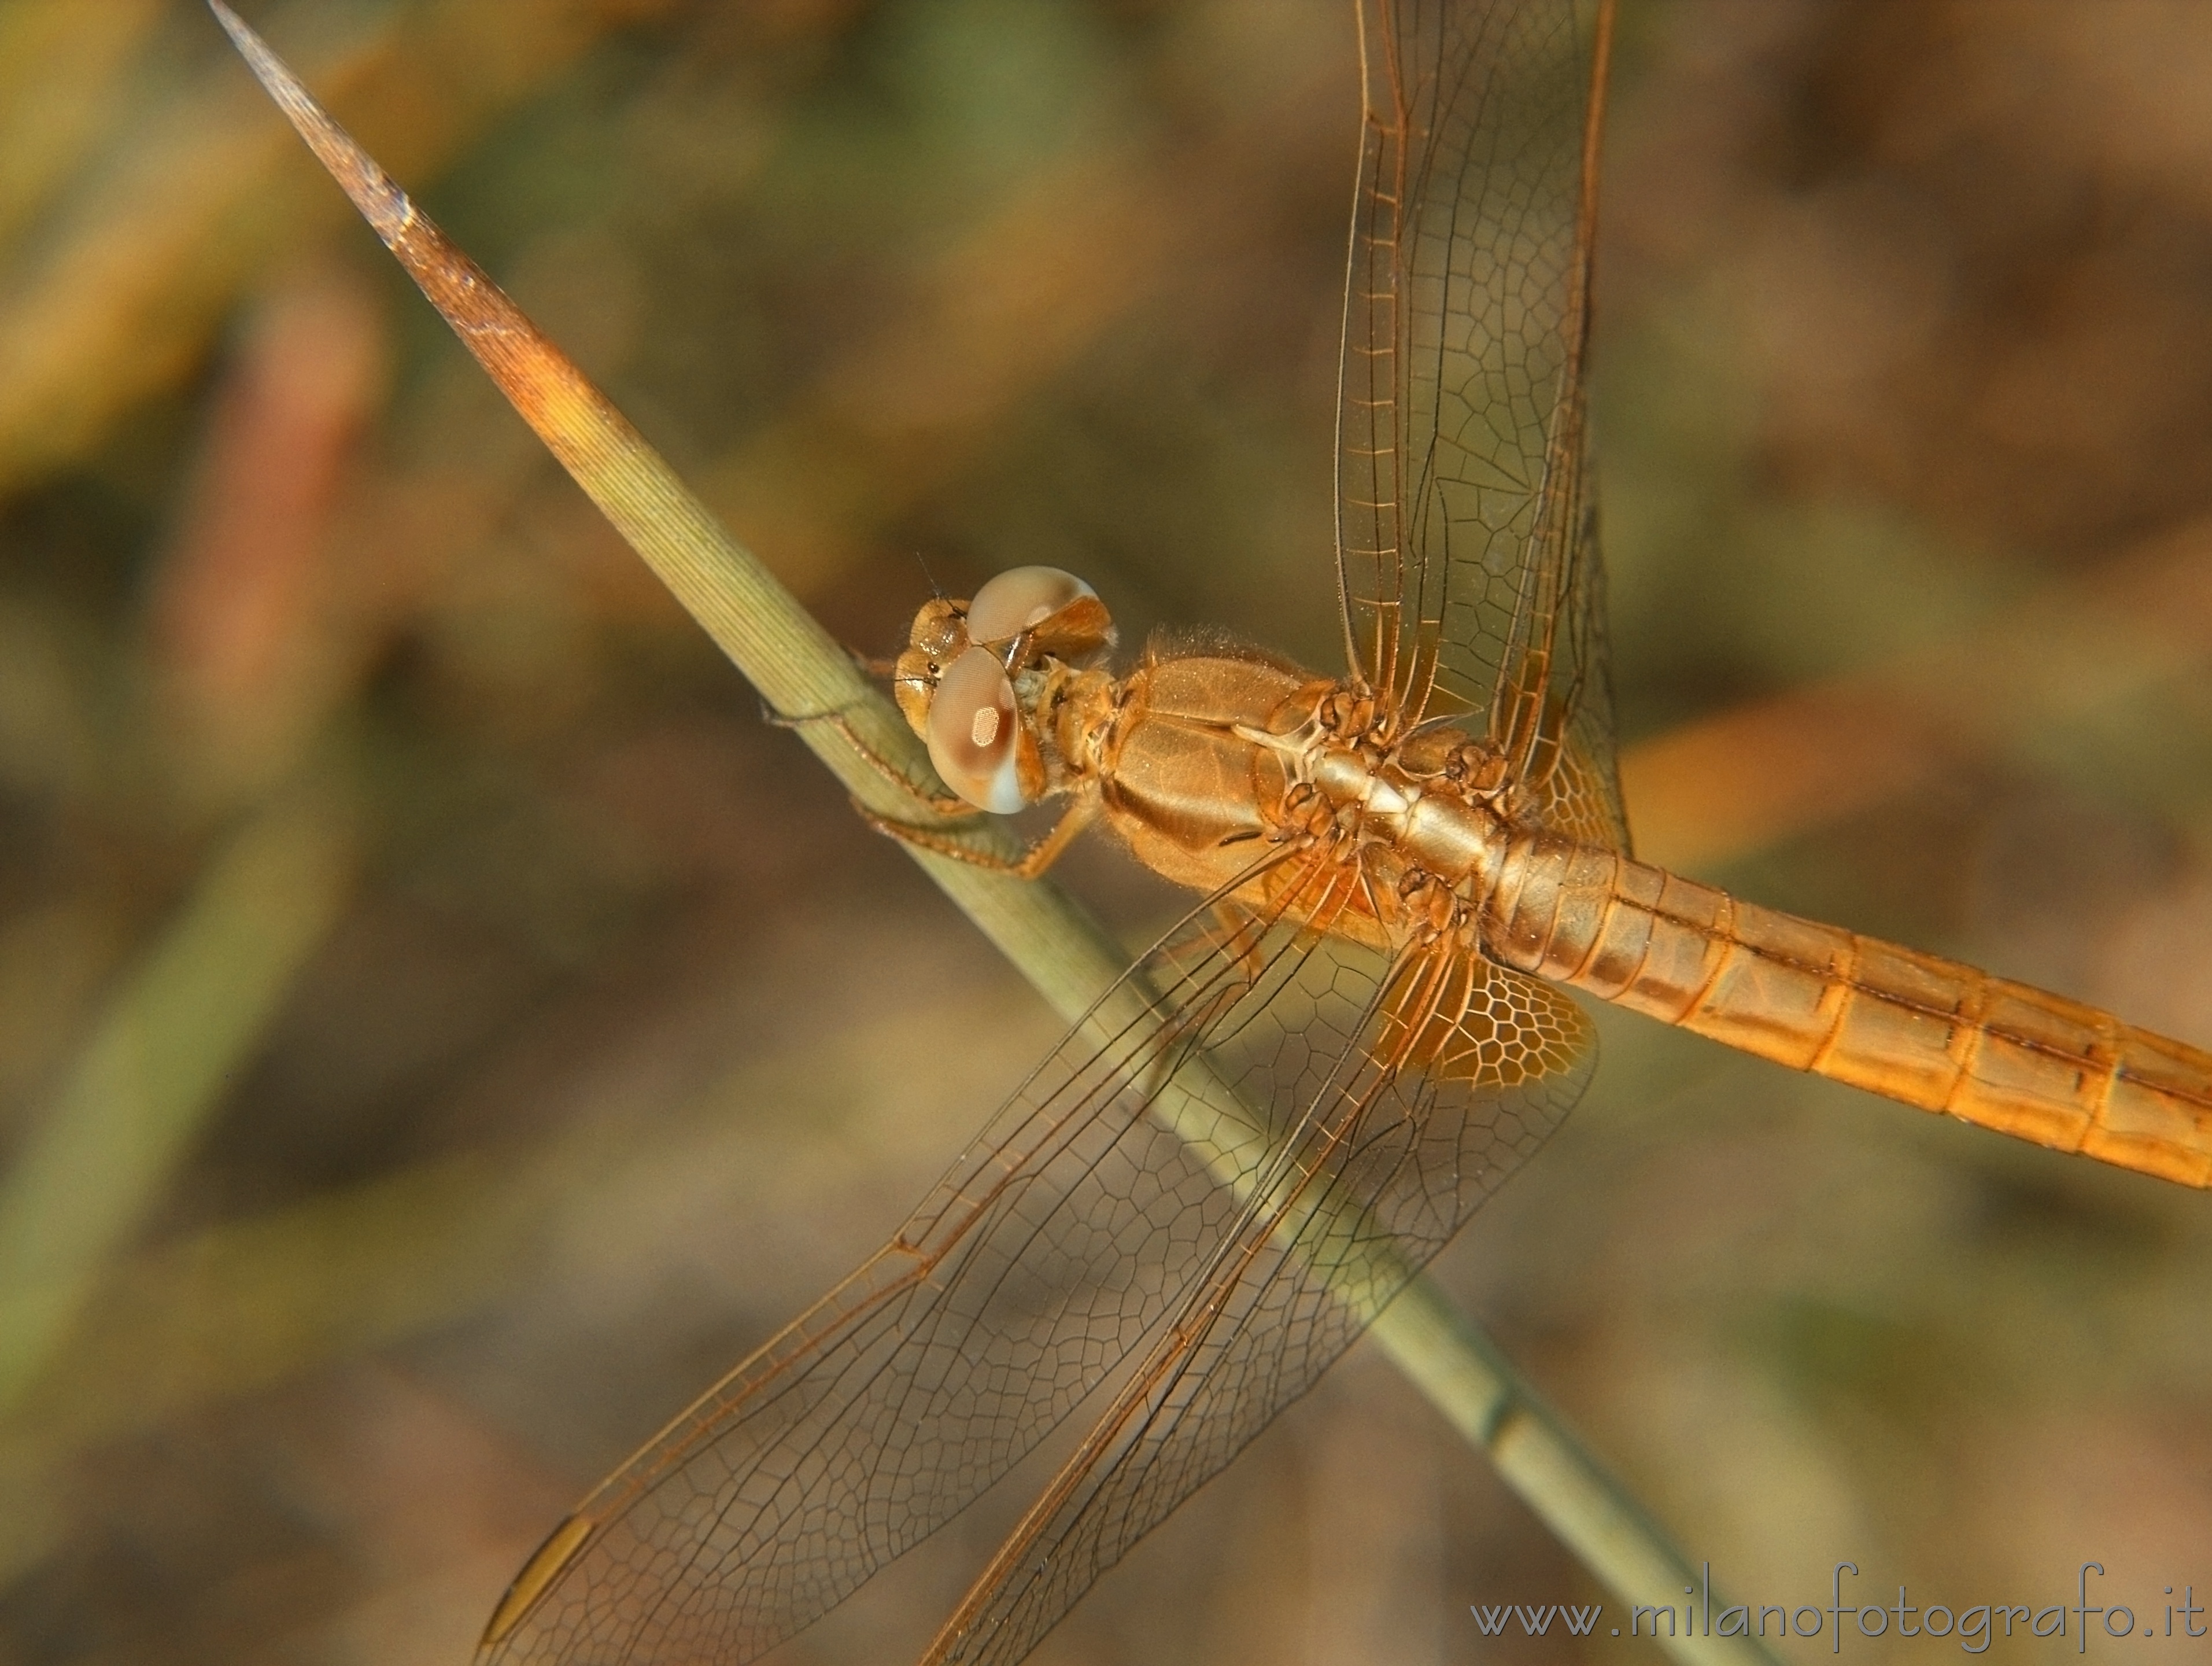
(1028, 866)
(944, 805)
(1242, 935)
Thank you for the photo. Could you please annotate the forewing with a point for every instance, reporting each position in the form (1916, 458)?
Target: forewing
(1467, 537)
(1057, 1248)
(1420, 1092)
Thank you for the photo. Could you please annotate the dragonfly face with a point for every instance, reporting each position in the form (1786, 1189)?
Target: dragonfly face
(979, 678)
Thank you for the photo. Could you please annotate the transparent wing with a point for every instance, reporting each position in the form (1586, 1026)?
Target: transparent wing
(1466, 536)
(1059, 1247)
(1045, 1255)
(1438, 1080)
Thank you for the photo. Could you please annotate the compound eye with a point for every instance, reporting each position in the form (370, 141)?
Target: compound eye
(1019, 598)
(974, 729)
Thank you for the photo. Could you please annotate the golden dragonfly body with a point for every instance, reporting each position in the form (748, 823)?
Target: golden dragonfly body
(1207, 1192)
(1433, 846)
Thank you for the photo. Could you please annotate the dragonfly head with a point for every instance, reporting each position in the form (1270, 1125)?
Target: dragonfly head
(956, 681)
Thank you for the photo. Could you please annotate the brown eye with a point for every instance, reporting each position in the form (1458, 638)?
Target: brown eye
(1021, 597)
(972, 732)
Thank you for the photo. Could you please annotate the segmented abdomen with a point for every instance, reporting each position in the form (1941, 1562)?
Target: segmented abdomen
(1914, 1027)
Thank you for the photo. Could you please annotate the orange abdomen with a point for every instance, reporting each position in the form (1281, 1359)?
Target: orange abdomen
(1913, 1027)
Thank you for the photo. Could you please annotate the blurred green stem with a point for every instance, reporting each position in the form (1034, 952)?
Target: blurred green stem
(158, 1060)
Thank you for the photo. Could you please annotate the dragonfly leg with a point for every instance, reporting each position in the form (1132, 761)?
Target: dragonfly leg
(1242, 934)
(1028, 866)
(936, 804)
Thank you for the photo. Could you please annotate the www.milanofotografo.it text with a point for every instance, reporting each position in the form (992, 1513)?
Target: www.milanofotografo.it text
(1846, 1616)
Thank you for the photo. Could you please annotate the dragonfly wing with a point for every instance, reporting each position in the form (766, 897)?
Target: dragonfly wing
(1441, 1078)
(1469, 569)
(1058, 1246)
(1061, 1237)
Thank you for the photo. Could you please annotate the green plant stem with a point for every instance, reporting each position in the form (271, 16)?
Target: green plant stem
(157, 1061)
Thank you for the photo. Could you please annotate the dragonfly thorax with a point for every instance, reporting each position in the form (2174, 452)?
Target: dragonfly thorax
(1433, 809)
(1209, 761)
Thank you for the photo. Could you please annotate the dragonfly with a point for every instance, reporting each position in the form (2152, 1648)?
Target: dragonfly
(1363, 1024)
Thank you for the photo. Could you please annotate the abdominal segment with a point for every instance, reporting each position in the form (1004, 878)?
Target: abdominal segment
(1914, 1027)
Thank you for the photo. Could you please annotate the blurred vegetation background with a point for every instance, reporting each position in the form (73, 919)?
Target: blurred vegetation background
(442, 1027)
